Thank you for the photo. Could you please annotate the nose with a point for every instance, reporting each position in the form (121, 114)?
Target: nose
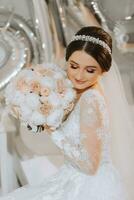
(79, 75)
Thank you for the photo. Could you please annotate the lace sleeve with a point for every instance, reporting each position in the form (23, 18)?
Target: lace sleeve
(91, 122)
(86, 152)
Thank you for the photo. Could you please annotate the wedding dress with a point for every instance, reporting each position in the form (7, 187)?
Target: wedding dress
(79, 178)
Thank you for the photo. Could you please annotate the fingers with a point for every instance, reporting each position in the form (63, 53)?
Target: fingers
(60, 85)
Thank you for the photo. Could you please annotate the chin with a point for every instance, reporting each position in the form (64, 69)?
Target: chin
(81, 86)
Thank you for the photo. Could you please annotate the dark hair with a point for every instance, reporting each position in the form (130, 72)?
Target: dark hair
(99, 53)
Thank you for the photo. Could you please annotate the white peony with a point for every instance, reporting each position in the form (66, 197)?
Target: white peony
(32, 101)
(9, 92)
(58, 75)
(55, 99)
(18, 98)
(47, 82)
(26, 112)
(55, 118)
(37, 118)
(68, 83)
(69, 97)
(28, 74)
(38, 94)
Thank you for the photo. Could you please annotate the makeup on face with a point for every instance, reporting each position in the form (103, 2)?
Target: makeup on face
(90, 69)
(83, 70)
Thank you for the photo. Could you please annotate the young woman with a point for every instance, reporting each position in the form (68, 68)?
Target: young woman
(84, 138)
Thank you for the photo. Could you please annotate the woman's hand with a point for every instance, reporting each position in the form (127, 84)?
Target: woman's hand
(61, 86)
(15, 112)
(48, 129)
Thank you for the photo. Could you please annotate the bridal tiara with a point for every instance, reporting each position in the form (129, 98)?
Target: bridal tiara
(88, 38)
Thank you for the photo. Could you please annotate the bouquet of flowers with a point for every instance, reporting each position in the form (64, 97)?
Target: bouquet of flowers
(41, 96)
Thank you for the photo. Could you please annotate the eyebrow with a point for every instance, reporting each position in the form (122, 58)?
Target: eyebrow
(86, 66)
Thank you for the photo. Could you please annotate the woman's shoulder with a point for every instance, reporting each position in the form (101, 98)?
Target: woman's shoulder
(93, 94)
(96, 98)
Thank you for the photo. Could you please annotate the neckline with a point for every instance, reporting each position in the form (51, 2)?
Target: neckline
(92, 89)
(101, 94)
(95, 90)
(78, 101)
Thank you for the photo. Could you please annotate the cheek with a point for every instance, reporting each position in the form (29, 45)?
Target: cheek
(92, 77)
(70, 72)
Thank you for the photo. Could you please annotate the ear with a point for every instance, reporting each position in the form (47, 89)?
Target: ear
(103, 73)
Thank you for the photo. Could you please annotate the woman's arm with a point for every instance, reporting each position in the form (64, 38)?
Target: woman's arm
(85, 154)
(91, 122)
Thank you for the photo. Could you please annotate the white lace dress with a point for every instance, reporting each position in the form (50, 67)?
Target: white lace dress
(83, 138)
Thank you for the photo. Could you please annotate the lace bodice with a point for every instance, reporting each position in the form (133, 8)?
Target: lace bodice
(84, 138)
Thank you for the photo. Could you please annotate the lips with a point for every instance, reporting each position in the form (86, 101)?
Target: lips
(80, 82)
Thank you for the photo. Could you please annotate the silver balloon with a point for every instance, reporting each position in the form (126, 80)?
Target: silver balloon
(74, 18)
(109, 12)
(18, 45)
(116, 9)
(61, 6)
(41, 22)
(54, 9)
(98, 17)
(81, 13)
(124, 35)
(5, 52)
(14, 55)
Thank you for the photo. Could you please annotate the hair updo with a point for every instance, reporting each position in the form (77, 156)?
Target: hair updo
(99, 53)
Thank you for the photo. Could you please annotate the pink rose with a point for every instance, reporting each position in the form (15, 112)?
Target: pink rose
(35, 87)
(22, 85)
(46, 108)
(45, 91)
(61, 89)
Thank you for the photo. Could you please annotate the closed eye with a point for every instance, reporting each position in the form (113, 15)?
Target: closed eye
(73, 67)
(91, 71)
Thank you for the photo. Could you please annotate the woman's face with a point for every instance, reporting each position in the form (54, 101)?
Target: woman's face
(83, 70)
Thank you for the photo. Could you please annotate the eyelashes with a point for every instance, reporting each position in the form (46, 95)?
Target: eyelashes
(89, 71)
(73, 67)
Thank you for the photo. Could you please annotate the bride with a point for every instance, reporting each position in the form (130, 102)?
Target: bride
(88, 171)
